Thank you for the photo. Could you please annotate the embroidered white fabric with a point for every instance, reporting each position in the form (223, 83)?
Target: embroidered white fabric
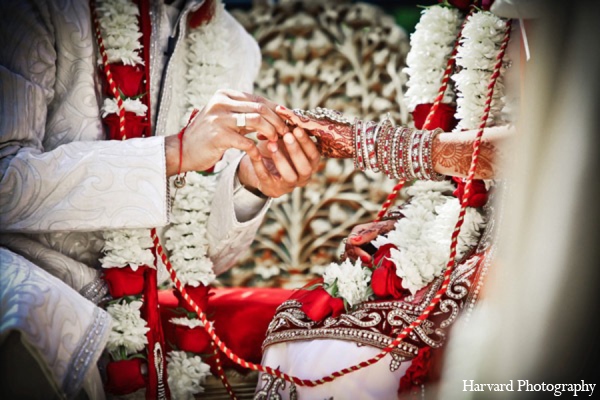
(316, 359)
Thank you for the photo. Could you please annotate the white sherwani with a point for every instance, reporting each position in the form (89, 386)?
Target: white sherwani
(61, 183)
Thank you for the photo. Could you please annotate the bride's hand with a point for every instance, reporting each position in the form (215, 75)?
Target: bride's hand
(333, 140)
(358, 242)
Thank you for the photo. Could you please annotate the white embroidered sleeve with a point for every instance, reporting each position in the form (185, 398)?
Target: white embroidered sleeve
(234, 218)
(85, 186)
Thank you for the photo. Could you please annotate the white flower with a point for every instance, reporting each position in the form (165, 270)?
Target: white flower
(110, 106)
(128, 328)
(184, 321)
(186, 374)
(348, 281)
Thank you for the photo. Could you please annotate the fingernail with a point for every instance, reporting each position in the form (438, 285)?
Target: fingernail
(288, 138)
(282, 107)
(272, 146)
(356, 238)
(298, 133)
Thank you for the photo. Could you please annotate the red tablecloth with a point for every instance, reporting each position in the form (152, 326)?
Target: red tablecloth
(240, 315)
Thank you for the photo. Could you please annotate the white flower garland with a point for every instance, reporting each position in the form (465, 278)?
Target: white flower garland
(186, 237)
(481, 40)
(186, 374)
(431, 45)
(206, 61)
(423, 236)
(118, 20)
(128, 331)
(110, 106)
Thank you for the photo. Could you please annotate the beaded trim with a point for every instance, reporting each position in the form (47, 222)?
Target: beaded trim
(95, 291)
(86, 353)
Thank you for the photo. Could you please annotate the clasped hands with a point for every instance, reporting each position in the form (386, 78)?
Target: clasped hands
(284, 158)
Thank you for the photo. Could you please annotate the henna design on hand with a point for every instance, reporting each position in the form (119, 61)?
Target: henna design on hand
(335, 141)
(456, 157)
(452, 155)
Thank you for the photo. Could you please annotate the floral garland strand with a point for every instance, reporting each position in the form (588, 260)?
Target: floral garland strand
(422, 237)
(431, 44)
(207, 60)
(186, 237)
(131, 249)
(420, 245)
(480, 41)
(127, 253)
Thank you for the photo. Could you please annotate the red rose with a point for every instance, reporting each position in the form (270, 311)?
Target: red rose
(194, 340)
(317, 304)
(479, 193)
(128, 79)
(135, 126)
(443, 117)
(124, 377)
(199, 294)
(384, 281)
(125, 281)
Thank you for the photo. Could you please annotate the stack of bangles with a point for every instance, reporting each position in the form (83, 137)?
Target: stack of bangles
(399, 152)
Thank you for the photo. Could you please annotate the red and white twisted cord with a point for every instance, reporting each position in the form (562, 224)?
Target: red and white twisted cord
(221, 373)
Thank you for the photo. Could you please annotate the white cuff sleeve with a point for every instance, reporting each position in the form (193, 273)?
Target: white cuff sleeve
(234, 218)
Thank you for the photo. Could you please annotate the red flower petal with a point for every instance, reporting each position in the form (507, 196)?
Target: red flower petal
(317, 304)
(123, 377)
(124, 281)
(443, 118)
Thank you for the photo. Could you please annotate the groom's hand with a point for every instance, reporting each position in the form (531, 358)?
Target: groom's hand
(282, 166)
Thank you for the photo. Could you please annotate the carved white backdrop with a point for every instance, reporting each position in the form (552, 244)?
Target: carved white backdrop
(335, 54)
